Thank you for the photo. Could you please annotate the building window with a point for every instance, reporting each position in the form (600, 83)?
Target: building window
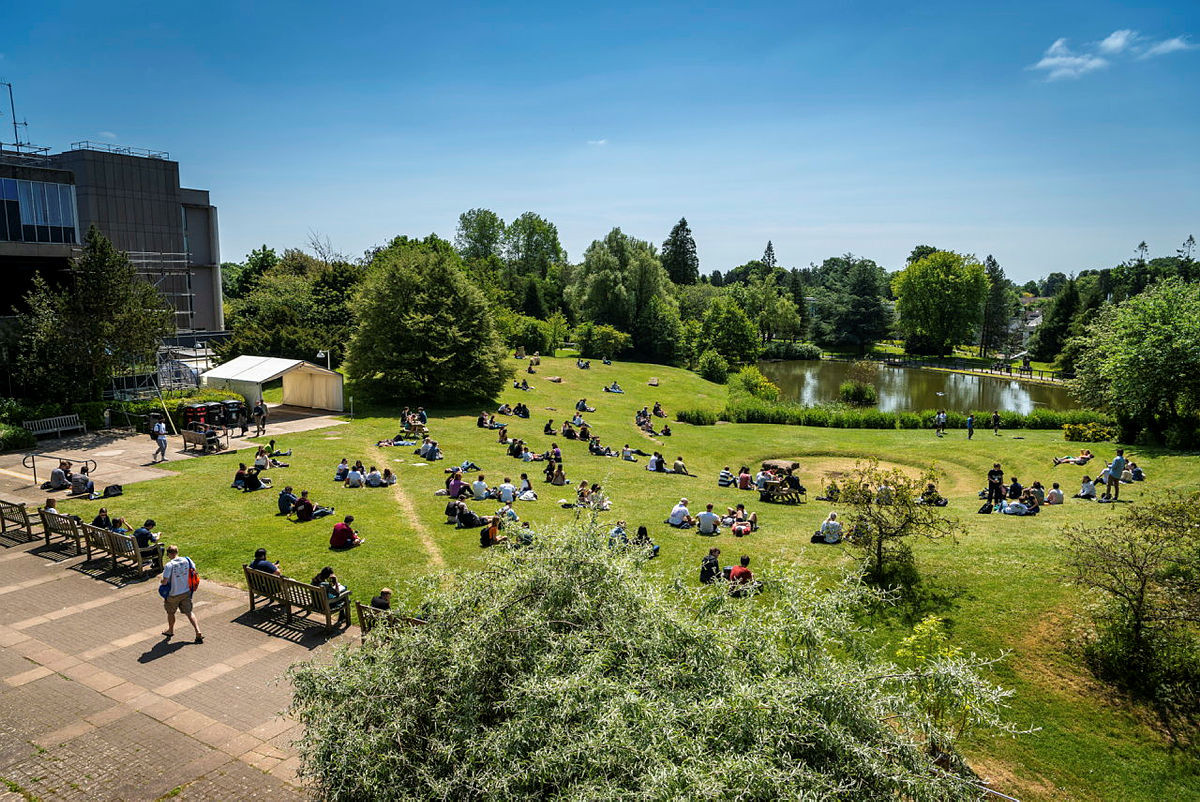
(37, 211)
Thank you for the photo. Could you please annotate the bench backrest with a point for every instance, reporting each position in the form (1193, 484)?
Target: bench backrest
(194, 437)
(55, 523)
(15, 513)
(124, 545)
(368, 617)
(56, 424)
(97, 538)
(262, 583)
(302, 594)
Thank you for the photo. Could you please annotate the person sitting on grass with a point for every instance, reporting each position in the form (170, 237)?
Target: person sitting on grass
(355, 478)
(1085, 456)
(931, 496)
(1032, 505)
(642, 541)
(1087, 490)
(833, 492)
(681, 516)
(521, 385)
(1038, 491)
(389, 478)
(254, 481)
(559, 478)
(344, 536)
(526, 487)
(710, 566)
(740, 521)
(275, 452)
(708, 522)
(239, 478)
(679, 467)
(305, 510)
(548, 429)
(490, 535)
(482, 421)
(286, 500)
(456, 487)
(506, 491)
(613, 388)
(261, 563)
(520, 410)
(618, 536)
(741, 579)
(467, 518)
(830, 531)
(383, 601)
(343, 469)
(666, 430)
(453, 508)
(507, 513)
(373, 478)
(744, 480)
(568, 431)
(1055, 496)
(504, 409)
(726, 478)
(480, 489)
(1013, 492)
(1013, 507)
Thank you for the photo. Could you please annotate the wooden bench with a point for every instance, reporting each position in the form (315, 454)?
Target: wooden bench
(370, 617)
(57, 425)
(120, 546)
(293, 595)
(199, 440)
(776, 493)
(15, 516)
(64, 526)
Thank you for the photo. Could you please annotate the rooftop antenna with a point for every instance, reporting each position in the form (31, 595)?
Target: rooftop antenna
(18, 144)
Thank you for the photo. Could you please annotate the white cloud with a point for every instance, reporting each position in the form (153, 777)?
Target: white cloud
(1060, 62)
(1172, 45)
(1118, 41)
(107, 134)
(598, 142)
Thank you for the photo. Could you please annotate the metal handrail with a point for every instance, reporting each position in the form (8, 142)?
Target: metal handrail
(30, 461)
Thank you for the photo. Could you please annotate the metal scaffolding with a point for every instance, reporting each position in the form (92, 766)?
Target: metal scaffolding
(171, 275)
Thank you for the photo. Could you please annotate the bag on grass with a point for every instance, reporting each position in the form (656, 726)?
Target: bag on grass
(986, 509)
(112, 490)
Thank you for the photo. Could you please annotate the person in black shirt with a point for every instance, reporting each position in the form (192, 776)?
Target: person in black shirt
(102, 521)
(1014, 489)
(995, 479)
(383, 601)
(710, 566)
(147, 541)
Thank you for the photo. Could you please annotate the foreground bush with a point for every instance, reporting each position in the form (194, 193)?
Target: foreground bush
(12, 437)
(786, 349)
(559, 671)
(858, 393)
(1087, 432)
(713, 367)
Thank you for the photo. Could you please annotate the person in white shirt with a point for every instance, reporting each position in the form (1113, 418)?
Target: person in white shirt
(354, 478)
(760, 479)
(652, 463)
(480, 488)
(708, 522)
(1013, 507)
(681, 516)
(506, 491)
(373, 478)
(508, 513)
(159, 430)
(179, 595)
(830, 531)
(1055, 496)
(1087, 489)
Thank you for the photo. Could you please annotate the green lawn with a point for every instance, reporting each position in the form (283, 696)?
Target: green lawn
(998, 585)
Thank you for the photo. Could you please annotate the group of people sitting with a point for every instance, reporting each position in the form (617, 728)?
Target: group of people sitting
(658, 464)
(301, 507)
(619, 537)
(739, 521)
(520, 410)
(147, 539)
(583, 364)
(1012, 498)
(357, 475)
(765, 478)
(249, 479)
(523, 384)
(644, 420)
(77, 483)
(739, 577)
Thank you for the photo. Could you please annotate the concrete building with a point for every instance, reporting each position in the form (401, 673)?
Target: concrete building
(48, 201)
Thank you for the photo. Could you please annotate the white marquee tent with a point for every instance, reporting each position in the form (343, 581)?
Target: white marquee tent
(304, 384)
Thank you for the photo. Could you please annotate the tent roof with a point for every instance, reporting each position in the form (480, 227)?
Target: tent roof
(261, 369)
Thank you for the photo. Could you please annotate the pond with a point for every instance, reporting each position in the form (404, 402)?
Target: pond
(814, 382)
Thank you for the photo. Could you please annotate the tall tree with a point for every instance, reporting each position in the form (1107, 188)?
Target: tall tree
(104, 318)
(729, 331)
(1050, 337)
(998, 307)
(531, 246)
(480, 234)
(679, 257)
(424, 330)
(920, 252)
(239, 282)
(1049, 287)
(940, 300)
(768, 257)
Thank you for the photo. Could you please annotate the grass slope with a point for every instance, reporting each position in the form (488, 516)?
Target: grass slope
(999, 585)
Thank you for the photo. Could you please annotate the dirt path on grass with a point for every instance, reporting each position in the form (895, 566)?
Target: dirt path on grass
(409, 511)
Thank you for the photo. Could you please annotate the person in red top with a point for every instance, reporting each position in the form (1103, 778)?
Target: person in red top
(741, 580)
(344, 536)
(744, 480)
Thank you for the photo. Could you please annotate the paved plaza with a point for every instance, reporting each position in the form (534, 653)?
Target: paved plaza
(96, 704)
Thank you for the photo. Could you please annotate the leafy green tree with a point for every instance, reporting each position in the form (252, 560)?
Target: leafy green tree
(480, 234)
(557, 330)
(940, 300)
(679, 257)
(742, 274)
(1144, 366)
(1049, 287)
(1051, 334)
(920, 252)
(424, 331)
(242, 280)
(717, 280)
(104, 318)
(531, 246)
(597, 341)
(610, 685)
(661, 328)
(728, 331)
(713, 366)
(851, 308)
(1030, 287)
(999, 306)
(535, 303)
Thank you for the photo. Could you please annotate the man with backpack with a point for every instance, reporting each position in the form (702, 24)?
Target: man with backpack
(179, 581)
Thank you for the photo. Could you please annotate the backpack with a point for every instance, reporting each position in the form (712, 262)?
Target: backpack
(193, 577)
(112, 490)
(986, 509)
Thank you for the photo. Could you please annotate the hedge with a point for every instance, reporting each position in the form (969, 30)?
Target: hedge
(786, 349)
(12, 437)
(744, 409)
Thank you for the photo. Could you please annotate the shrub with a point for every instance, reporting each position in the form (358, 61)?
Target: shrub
(858, 393)
(696, 417)
(751, 380)
(1087, 432)
(13, 437)
(597, 341)
(713, 367)
(786, 349)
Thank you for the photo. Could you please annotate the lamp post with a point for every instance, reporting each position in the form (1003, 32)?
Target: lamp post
(325, 353)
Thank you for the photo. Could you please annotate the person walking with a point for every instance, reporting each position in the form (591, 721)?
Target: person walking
(996, 422)
(176, 589)
(971, 426)
(260, 418)
(159, 432)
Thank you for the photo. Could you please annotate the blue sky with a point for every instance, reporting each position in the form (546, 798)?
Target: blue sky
(1053, 135)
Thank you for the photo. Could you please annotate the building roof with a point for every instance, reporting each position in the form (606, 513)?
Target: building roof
(261, 369)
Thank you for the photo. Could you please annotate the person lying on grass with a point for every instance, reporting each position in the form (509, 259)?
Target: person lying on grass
(597, 450)
(740, 521)
(1085, 456)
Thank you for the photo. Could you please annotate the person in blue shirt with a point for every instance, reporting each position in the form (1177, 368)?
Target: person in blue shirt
(261, 563)
(1115, 469)
(287, 500)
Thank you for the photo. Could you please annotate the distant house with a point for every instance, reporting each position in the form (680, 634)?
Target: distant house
(1026, 321)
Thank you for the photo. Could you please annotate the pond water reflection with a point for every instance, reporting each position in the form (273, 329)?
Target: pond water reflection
(909, 389)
